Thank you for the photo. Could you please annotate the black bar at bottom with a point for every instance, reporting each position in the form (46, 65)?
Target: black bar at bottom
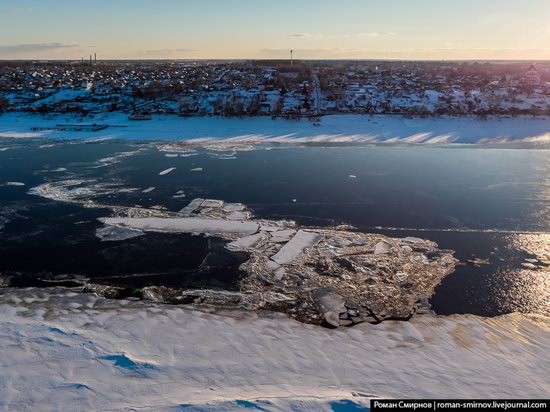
(445, 405)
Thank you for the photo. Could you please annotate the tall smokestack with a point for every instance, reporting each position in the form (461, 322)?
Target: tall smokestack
(95, 58)
(90, 59)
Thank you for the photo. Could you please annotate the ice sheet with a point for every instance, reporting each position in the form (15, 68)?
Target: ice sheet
(185, 225)
(296, 247)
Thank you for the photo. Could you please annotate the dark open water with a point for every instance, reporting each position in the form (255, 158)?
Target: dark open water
(489, 203)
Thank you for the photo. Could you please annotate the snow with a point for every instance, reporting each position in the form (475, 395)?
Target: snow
(336, 128)
(148, 190)
(61, 95)
(296, 247)
(185, 225)
(62, 351)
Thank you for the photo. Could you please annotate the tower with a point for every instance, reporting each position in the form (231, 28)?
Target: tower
(291, 59)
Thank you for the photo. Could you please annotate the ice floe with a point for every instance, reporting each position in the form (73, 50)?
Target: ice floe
(116, 158)
(381, 276)
(287, 262)
(296, 246)
(192, 206)
(114, 233)
(165, 172)
(81, 191)
(184, 225)
(12, 184)
(180, 194)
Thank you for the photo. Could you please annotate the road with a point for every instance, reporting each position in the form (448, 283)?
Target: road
(317, 96)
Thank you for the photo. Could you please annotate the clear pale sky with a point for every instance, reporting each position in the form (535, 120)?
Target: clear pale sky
(358, 29)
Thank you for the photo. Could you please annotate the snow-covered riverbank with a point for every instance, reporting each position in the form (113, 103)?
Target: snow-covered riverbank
(68, 351)
(338, 128)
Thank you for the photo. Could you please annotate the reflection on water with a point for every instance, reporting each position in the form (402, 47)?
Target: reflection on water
(526, 288)
(522, 290)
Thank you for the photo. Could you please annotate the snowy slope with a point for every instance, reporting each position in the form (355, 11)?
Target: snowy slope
(66, 351)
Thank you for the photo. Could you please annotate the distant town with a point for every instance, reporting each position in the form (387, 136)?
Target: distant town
(280, 88)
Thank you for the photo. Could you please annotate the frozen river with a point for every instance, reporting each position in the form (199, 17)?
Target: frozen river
(489, 204)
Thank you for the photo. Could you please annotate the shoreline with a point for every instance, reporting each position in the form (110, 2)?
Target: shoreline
(333, 129)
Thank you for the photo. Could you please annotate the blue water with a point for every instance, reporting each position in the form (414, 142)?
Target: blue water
(487, 203)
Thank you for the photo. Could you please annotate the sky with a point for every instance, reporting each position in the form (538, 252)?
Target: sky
(262, 29)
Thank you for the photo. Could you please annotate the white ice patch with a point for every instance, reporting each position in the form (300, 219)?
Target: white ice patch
(13, 184)
(238, 216)
(56, 170)
(192, 206)
(296, 247)
(116, 158)
(282, 236)
(114, 234)
(165, 172)
(214, 203)
(185, 225)
(381, 248)
(247, 242)
(233, 207)
(20, 135)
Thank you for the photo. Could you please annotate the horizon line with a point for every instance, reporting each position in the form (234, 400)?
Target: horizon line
(86, 60)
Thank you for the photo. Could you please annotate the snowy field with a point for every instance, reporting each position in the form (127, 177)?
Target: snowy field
(62, 351)
(338, 128)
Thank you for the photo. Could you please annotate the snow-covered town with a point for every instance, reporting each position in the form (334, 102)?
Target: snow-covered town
(276, 88)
